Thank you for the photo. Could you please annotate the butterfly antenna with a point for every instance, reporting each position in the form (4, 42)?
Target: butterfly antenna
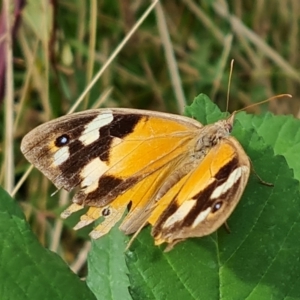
(229, 83)
(267, 100)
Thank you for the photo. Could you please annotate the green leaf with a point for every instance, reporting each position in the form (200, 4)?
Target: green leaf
(280, 132)
(203, 110)
(107, 276)
(259, 259)
(27, 270)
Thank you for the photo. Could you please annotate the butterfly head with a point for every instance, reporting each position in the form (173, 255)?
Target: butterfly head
(223, 128)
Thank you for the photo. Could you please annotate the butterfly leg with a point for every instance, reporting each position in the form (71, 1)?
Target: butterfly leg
(259, 178)
(227, 227)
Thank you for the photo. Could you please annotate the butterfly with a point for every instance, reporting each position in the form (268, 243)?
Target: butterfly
(169, 171)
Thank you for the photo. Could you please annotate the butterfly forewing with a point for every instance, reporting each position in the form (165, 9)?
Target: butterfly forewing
(105, 152)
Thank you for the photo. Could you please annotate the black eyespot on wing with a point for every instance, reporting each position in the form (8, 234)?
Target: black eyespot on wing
(229, 127)
(106, 212)
(217, 206)
(62, 140)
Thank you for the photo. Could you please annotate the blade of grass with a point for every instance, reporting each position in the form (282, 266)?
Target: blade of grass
(9, 103)
(170, 57)
(92, 45)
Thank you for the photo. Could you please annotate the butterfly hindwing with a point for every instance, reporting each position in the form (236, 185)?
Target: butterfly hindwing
(195, 210)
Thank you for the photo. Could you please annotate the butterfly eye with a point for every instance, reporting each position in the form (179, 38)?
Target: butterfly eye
(217, 206)
(229, 127)
(62, 140)
(105, 212)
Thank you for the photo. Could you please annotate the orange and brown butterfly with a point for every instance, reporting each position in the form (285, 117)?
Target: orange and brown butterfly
(169, 171)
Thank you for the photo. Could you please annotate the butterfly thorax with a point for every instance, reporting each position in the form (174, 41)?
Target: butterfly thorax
(210, 135)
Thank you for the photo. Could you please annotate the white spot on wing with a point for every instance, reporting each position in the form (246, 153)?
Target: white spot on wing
(61, 155)
(202, 216)
(91, 131)
(223, 188)
(180, 213)
(91, 174)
